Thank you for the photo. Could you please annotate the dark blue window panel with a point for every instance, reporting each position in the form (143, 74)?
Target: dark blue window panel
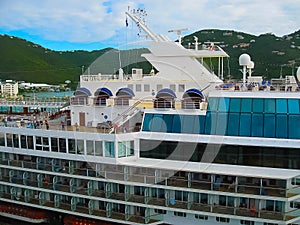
(269, 105)
(257, 125)
(213, 123)
(246, 105)
(235, 105)
(223, 105)
(157, 124)
(213, 104)
(258, 105)
(199, 125)
(281, 105)
(176, 128)
(188, 124)
(202, 124)
(294, 126)
(208, 123)
(245, 124)
(233, 124)
(269, 125)
(293, 106)
(168, 118)
(281, 126)
(146, 123)
(221, 123)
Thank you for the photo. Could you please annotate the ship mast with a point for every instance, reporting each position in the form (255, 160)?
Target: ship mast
(138, 17)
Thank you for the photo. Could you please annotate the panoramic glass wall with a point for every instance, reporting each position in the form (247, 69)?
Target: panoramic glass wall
(250, 117)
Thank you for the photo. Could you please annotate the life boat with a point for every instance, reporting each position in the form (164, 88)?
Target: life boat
(23, 213)
(76, 220)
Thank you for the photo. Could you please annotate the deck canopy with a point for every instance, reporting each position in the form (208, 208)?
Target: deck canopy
(82, 92)
(125, 92)
(193, 93)
(166, 93)
(103, 91)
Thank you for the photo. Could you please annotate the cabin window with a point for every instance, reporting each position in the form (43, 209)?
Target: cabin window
(89, 147)
(54, 144)
(173, 87)
(125, 149)
(2, 142)
(80, 146)
(62, 145)
(146, 87)
(109, 149)
(98, 148)
(138, 88)
(201, 217)
(71, 146)
(181, 88)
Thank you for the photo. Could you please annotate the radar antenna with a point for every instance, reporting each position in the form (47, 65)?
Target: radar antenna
(179, 33)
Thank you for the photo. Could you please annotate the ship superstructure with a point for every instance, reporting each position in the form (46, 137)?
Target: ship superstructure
(162, 149)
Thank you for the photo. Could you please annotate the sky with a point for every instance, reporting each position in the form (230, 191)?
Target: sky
(95, 24)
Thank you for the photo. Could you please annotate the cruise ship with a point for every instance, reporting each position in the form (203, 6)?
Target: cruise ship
(175, 146)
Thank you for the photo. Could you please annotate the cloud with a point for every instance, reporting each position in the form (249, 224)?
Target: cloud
(104, 20)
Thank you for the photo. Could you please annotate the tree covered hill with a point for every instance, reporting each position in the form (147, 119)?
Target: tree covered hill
(24, 60)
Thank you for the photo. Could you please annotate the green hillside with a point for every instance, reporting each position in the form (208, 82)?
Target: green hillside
(23, 60)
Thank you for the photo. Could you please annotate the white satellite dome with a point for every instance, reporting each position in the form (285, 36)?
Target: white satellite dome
(250, 65)
(244, 59)
(298, 73)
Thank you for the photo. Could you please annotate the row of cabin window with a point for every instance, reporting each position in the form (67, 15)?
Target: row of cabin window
(254, 105)
(75, 146)
(138, 87)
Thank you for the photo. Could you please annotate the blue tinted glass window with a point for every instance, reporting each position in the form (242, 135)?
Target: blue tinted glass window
(235, 105)
(245, 124)
(281, 105)
(221, 124)
(269, 125)
(168, 121)
(257, 125)
(157, 123)
(188, 124)
(281, 126)
(246, 105)
(213, 104)
(176, 124)
(208, 123)
(233, 124)
(197, 125)
(293, 106)
(213, 122)
(294, 126)
(202, 124)
(146, 123)
(258, 105)
(269, 105)
(223, 105)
